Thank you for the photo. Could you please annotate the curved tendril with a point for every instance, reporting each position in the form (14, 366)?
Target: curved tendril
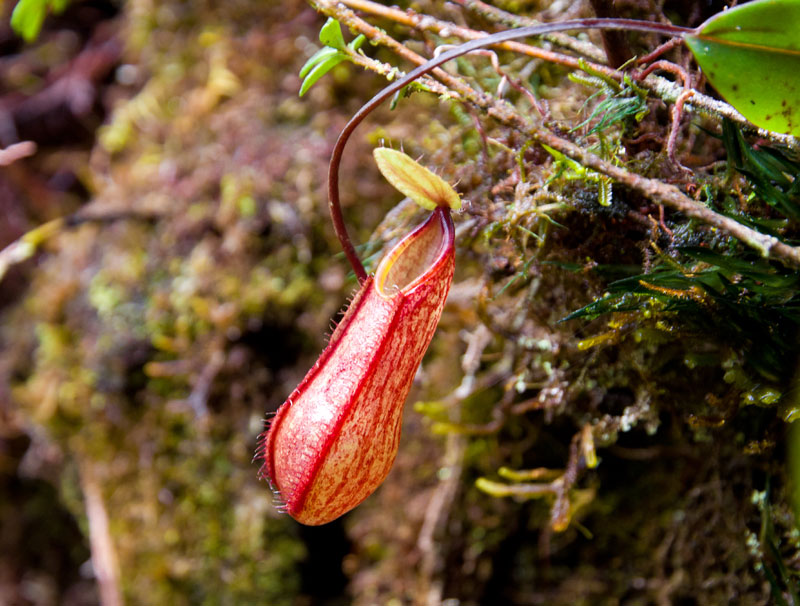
(497, 38)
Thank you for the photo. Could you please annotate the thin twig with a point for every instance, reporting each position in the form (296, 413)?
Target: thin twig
(104, 556)
(677, 107)
(663, 88)
(16, 151)
(501, 17)
(658, 191)
(437, 513)
(448, 29)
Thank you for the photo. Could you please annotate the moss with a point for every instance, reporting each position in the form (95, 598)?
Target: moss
(149, 347)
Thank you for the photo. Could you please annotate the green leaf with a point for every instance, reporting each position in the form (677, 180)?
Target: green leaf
(322, 68)
(774, 175)
(751, 55)
(356, 43)
(329, 56)
(318, 57)
(414, 180)
(28, 17)
(331, 34)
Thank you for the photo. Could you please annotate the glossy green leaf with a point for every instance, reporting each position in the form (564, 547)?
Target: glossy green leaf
(414, 180)
(751, 55)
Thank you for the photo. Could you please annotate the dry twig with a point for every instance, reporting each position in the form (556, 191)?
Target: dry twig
(658, 191)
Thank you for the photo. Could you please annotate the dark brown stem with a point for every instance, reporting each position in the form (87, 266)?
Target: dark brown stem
(658, 51)
(618, 52)
(490, 40)
(677, 108)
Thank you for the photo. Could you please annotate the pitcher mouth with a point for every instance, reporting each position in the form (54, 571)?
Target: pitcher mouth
(417, 255)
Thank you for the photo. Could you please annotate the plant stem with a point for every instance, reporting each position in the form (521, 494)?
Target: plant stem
(616, 45)
(104, 556)
(662, 193)
(334, 203)
(445, 29)
(496, 15)
(667, 90)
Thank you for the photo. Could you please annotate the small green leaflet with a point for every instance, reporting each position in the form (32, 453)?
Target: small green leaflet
(331, 34)
(751, 55)
(414, 180)
(329, 56)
